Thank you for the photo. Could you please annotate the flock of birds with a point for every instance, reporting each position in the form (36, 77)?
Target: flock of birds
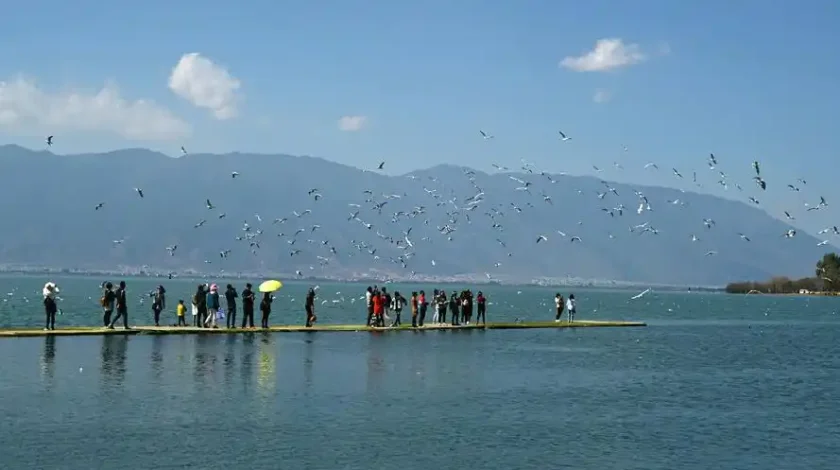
(395, 226)
(388, 231)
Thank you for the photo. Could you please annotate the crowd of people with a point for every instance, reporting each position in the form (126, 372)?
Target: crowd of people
(205, 306)
(383, 308)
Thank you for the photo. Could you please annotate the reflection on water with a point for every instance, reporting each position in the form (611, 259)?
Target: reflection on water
(308, 360)
(230, 357)
(246, 370)
(157, 362)
(114, 349)
(375, 362)
(267, 375)
(205, 360)
(48, 360)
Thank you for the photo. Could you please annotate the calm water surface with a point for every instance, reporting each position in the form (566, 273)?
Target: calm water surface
(715, 381)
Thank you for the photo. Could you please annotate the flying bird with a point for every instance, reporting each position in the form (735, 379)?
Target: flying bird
(541, 238)
(563, 136)
(234, 174)
(209, 204)
(99, 206)
(640, 294)
(49, 141)
(381, 166)
(139, 191)
(183, 150)
(486, 135)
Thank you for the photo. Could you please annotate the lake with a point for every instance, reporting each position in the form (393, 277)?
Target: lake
(714, 381)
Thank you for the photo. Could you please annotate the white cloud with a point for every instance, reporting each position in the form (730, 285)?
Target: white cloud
(205, 84)
(352, 123)
(610, 53)
(601, 96)
(26, 109)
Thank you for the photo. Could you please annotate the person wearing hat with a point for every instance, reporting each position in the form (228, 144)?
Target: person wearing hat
(248, 306)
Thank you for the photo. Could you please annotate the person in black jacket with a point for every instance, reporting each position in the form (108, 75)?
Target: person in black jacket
(310, 307)
(200, 301)
(248, 306)
(122, 306)
(265, 308)
(230, 297)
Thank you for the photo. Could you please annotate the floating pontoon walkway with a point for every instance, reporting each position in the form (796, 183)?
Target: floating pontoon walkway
(176, 330)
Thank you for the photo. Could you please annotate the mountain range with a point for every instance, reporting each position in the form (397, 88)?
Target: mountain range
(49, 219)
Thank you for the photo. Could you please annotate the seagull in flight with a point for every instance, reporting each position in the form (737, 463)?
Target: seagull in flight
(234, 174)
(744, 237)
(640, 294)
(541, 238)
(485, 135)
(563, 136)
(757, 168)
(183, 150)
(677, 172)
(651, 165)
(381, 166)
(49, 141)
(209, 204)
(99, 206)
(139, 191)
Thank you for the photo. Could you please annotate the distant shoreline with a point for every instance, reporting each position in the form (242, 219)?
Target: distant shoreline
(797, 294)
(446, 280)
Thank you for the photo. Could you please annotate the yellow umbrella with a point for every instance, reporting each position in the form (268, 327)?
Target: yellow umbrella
(270, 286)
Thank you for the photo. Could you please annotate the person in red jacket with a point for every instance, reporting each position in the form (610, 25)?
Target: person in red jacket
(377, 308)
(423, 305)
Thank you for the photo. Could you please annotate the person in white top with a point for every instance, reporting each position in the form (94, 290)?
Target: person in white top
(570, 306)
(369, 304)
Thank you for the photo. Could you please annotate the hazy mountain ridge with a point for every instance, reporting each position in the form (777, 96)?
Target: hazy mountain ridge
(72, 233)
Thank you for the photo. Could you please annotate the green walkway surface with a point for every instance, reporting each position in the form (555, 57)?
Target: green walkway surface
(175, 330)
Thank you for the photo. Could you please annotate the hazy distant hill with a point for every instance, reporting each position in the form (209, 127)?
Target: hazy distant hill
(48, 218)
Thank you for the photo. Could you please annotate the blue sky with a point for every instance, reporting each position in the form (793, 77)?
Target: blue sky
(746, 80)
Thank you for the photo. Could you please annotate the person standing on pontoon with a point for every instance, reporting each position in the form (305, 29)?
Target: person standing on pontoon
(50, 305)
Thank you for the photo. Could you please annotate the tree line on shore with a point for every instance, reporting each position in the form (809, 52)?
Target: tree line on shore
(826, 279)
